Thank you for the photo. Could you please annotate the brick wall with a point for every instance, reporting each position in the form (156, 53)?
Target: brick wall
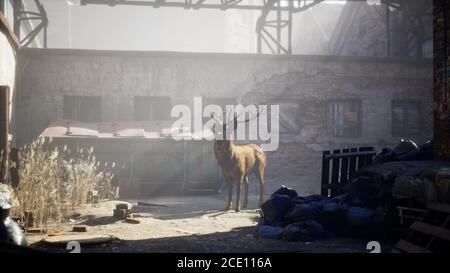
(441, 94)
(301, 85)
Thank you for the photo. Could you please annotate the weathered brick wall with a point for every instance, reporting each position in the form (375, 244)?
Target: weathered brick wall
(441, 79)
(302, 85)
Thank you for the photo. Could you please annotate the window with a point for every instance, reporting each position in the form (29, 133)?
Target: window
(406, 118)
(344, 118)
(82, 108)
(152, 108)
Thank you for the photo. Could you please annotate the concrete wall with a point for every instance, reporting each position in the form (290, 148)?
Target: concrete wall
(302, 85)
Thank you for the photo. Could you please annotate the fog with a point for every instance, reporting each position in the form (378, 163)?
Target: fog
(177, 29)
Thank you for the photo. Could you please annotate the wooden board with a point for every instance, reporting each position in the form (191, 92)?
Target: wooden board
(431, 230)
(83, 239)
(410, 248)
(441, 207)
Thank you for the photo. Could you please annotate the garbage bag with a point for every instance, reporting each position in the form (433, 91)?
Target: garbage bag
(305, 231)
(308, 199)
(360, 217)
(363, 189)
(274, 209)
(386, 155)
(270, 232)
(334, 213)
(283, 190)
(404, 147)
(303, 212)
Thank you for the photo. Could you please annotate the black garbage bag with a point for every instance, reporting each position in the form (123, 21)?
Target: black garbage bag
(405, 147)
(363, 189)
(308, 199)
(274, 209)
(386, 155)
(270, 232)
(424, 152)
(365, 222)
(305, 231)
(283, 190)
(334, 213)
(302, 212)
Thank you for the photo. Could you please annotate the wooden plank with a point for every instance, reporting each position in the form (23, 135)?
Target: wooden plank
(325, 173)
(441, 207)
(431, 230)
(352, 162)
(335, 171)
(362, 158)
(344, 169)
(84, 239)
(411, 248)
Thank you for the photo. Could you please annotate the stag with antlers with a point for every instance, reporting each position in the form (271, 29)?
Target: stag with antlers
(237, 162)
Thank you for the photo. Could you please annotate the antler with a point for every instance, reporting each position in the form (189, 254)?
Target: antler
(248, 119)
(213, 116)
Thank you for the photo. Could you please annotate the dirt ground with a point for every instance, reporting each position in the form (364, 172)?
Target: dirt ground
(185, 224)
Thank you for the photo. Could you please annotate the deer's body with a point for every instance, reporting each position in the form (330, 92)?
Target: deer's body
(237, 162)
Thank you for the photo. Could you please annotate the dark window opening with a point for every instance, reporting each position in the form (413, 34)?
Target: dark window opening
(406, 118)
(82, 108)
(344, 118)
(152, 108)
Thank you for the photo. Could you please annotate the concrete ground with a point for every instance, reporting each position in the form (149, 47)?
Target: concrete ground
(185, 224)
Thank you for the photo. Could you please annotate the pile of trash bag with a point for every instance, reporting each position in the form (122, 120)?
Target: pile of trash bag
(288, 216)
(406, 150)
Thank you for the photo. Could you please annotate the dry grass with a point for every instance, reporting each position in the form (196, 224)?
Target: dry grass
(55, 181)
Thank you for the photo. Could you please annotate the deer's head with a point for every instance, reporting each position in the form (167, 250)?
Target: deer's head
(224, 131)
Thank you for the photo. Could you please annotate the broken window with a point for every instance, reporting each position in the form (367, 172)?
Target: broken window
(82, 108)
(344, 118)
(406, 118)
(152, 108)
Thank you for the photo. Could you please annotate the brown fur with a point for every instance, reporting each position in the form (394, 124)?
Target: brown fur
(237, 162)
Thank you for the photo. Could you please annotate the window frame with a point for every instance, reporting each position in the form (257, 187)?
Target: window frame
(354, 102)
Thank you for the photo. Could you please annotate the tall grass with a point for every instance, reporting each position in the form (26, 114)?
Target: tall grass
(54, 181)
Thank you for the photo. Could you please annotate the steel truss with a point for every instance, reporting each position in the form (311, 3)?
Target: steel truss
(273, 27)
(24, 17)
(412, 27)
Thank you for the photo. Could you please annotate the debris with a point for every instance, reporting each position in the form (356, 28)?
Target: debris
(37, 230)
(83, 239)
(58, 233)
(122, 206)
(132, 221)
(120, 213)
(93, 197)
(152, 205)
(81, 228)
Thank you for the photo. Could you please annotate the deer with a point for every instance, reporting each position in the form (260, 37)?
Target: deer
(237, 162)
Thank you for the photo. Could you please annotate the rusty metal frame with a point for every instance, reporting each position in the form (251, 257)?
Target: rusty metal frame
(273, 27)
(28, 16)
(413, 13)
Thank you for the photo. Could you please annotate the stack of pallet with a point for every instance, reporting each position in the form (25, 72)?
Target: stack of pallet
(432, 234)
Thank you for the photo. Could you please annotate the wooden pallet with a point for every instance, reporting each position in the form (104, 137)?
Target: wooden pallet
(430, 235)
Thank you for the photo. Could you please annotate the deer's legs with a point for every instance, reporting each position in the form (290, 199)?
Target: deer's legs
(237, 207)
(260, 177)
(230, 193)
(245, 204)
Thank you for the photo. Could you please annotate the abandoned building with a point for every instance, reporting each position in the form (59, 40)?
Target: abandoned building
(344, 75)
